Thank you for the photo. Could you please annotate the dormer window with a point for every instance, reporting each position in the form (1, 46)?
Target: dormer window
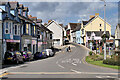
(2, 7)
(12, 12)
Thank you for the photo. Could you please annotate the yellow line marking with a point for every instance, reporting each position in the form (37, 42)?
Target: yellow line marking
(4, 74)
(12, 73)
(75, 72)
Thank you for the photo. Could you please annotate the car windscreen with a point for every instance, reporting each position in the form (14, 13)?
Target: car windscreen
(9, 54)
(24, 53)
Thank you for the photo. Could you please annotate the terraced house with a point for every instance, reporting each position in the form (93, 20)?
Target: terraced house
(20, 31)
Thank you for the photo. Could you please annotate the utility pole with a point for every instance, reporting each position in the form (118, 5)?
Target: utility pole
(104, 30)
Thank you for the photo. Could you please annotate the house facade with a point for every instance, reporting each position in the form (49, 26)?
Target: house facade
(117, 36)
(76, 34)
(95, 23)
(57, 32)
(11, 28)
(1, 11)
(19, 32)
(71, 27)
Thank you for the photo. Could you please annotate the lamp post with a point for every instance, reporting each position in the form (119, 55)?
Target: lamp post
(104, 30)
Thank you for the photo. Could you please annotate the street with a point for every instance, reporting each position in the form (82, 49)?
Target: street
(62, 65)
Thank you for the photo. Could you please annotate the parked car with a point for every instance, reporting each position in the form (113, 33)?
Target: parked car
(38, 55)
(25, 56)
(44, 53)
(13, 57)
(50, 52)
(30, 55)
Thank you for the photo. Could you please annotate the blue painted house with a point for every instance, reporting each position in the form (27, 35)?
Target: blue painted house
(10, 39)
(77, 34)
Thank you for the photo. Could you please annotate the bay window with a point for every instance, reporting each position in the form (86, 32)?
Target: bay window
(34, 30)
(27, 28)
(15, 30)
(6, 28)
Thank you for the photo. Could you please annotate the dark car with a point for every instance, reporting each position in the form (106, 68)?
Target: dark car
(38, 55)
(44, 54)
(25, 56)
(13, 57)
(30, 56)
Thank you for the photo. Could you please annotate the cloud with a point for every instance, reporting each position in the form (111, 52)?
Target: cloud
(65, 12)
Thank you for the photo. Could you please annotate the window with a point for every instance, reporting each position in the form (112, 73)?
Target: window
(6, 28)
(38, 32)
(10, 25)
(100, 29)
(0, 15)
(15, 30)
(19, 30)
(27, 28)
(82, 31)
(7, 8)
(34, 30)
(50, 36)
(100, 25)
(2, 7)
(12, 12)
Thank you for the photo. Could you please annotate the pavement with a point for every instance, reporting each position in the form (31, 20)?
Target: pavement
(64, 65)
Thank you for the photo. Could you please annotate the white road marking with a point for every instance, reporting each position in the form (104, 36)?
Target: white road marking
(105, 77)
(75, 71)
(98, 76)
(74, 64)
(60, 66)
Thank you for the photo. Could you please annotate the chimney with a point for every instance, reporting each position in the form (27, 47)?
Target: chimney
(91, 16)
(49, 21)
(30, 15)
(96, 14)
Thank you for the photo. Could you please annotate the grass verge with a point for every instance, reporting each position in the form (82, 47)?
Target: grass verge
(100, 63)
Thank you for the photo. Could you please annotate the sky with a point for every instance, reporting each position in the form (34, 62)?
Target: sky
(73, 12)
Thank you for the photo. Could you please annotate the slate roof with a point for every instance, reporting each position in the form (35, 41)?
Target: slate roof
(119, 25)
(77, 28)
(97, 33)
(2, 3)
(39, 20)
(66, 27)
(61, 25)
(46, 29)
(33, 18)
(85, 22)
(14, 5)
(73, 25)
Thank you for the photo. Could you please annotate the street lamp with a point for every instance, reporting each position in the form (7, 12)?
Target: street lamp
(104, 30)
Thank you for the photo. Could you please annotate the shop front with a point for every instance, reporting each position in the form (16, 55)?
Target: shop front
(12, 45)
(26, 43)
(34, 45)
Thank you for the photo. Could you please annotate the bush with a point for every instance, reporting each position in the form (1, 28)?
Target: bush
(111, 62)
(90, 53)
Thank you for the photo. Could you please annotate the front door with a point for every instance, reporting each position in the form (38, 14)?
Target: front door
(33, 49)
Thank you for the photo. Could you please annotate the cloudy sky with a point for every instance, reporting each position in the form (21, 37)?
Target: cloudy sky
(66, 12)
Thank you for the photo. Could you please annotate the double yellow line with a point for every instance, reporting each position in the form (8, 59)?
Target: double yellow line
(4, 74)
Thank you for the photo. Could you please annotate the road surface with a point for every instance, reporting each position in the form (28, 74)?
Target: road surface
(63, 65)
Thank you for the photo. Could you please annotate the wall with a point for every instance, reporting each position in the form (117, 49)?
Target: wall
(0, 40)
(95, 26)
(57, 32)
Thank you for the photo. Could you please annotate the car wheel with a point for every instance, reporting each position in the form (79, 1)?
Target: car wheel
(17, 62)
